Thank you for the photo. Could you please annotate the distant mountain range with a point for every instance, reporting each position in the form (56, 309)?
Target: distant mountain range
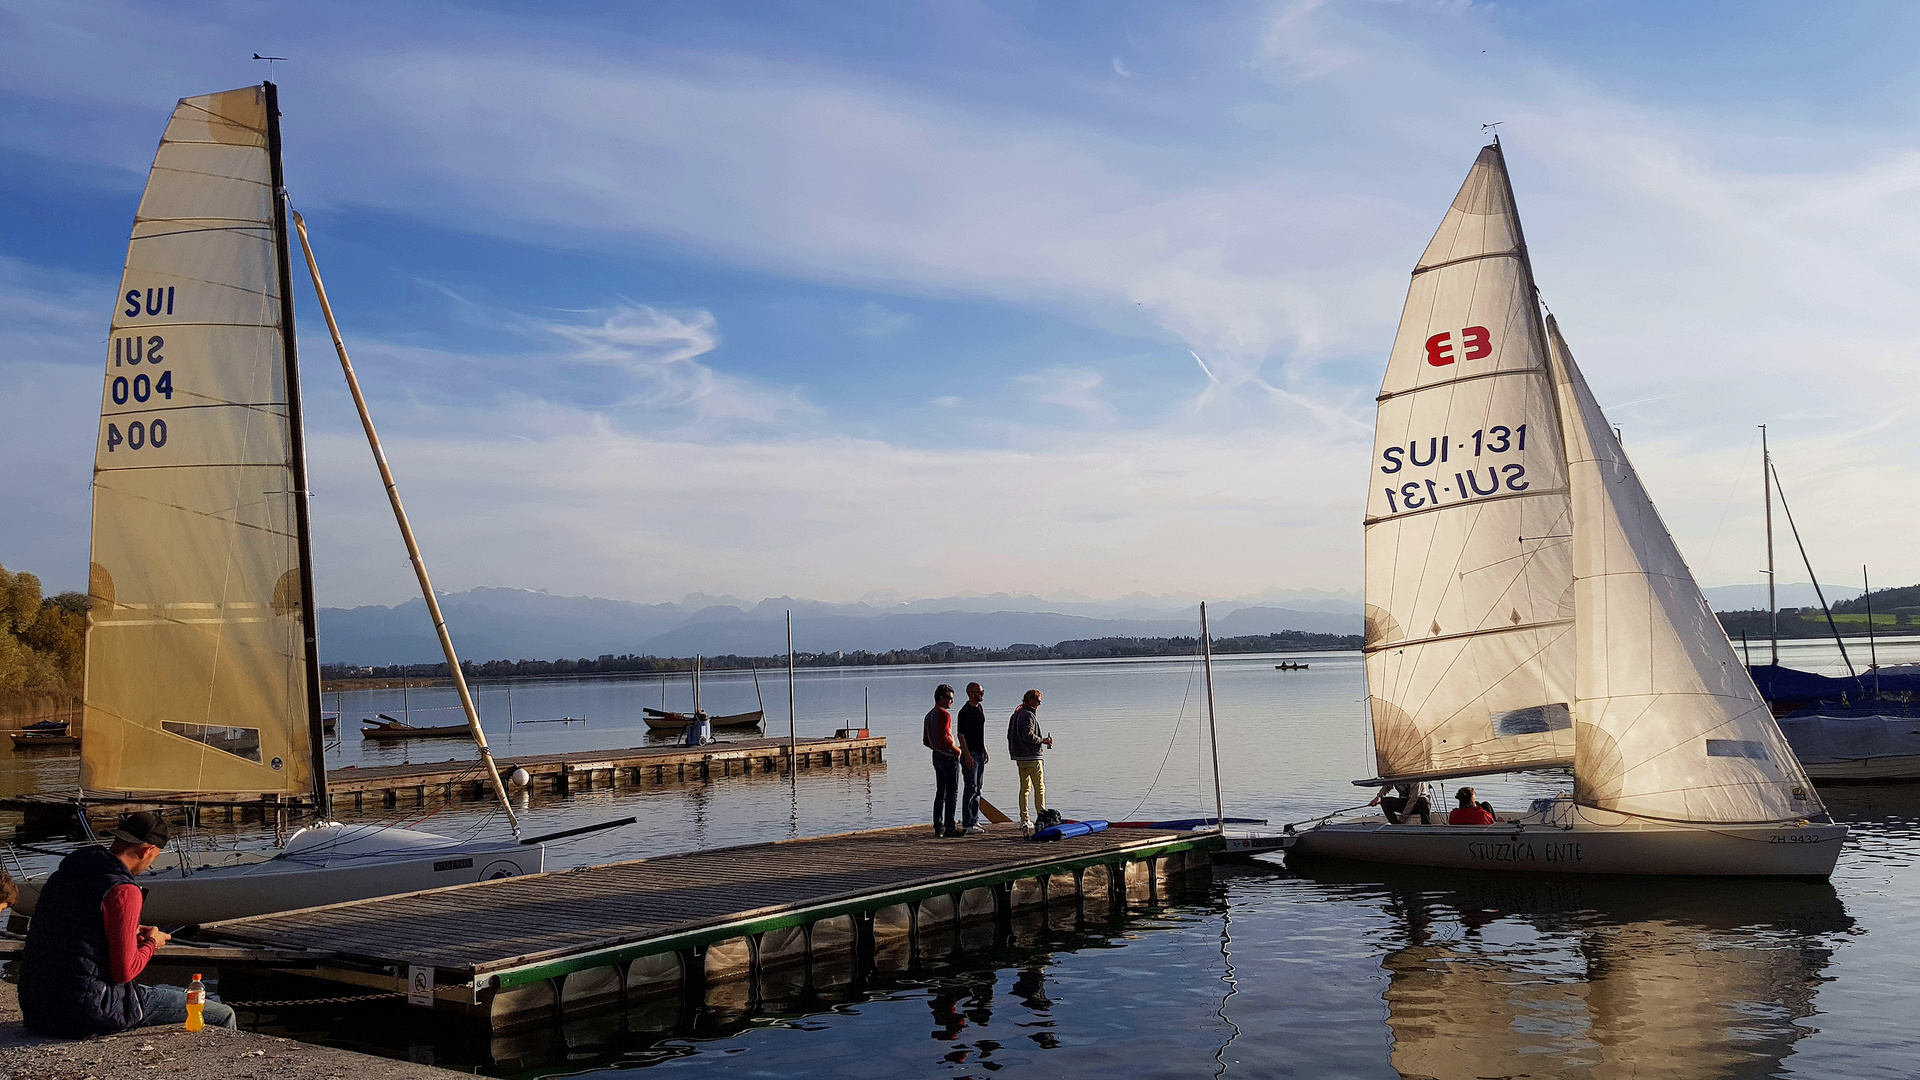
(514, 624)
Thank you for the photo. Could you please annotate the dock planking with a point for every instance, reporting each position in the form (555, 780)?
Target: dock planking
(463, 778)
(529, 949)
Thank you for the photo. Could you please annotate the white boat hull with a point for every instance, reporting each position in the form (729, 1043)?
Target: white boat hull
(1587, 842)
(323, 864)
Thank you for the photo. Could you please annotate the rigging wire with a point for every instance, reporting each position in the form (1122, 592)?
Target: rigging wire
(1172, 741)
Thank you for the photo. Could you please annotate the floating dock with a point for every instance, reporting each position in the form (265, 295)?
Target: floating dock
(463, 778)
(533, 950)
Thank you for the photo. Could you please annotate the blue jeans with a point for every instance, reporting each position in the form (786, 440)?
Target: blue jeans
(166, 1006)
(946, 792)
(971, 777)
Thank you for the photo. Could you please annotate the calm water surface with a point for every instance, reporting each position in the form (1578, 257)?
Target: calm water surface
(1367, 973)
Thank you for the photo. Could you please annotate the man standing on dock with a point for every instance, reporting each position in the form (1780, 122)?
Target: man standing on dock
(973, 739)
(86, 944)
(948, 759)
(1023, 746)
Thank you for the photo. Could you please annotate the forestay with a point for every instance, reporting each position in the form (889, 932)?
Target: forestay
(1469, 646)
(196, 665)
(1668, 722)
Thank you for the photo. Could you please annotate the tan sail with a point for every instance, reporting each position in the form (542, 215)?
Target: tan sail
(196, 664)
(1668, 722)
(1469, 572)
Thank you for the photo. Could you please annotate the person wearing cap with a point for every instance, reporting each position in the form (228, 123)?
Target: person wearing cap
(972, 725)
(85, 945)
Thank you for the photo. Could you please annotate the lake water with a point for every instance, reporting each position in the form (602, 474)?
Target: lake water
(1263, 971)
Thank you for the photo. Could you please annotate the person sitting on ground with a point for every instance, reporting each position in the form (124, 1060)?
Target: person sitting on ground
(86, 945)
(1470, 812)
(1406, 801)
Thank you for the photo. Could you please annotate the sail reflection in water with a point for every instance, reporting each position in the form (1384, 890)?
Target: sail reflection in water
(1604, 980)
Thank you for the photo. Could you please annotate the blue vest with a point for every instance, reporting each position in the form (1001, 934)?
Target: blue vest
(63, 969)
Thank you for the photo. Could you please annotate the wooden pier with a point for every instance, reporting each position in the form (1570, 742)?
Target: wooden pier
(462, 778)
(536, 949)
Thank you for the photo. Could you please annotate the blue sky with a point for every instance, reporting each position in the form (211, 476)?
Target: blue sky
(835, 299)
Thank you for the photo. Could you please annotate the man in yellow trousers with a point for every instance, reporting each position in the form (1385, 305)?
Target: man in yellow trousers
(1024, 743)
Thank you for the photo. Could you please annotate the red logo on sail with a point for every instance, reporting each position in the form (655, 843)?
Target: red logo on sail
(1475, 341)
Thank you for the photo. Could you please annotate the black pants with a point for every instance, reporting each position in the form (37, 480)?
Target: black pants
(1397, 808)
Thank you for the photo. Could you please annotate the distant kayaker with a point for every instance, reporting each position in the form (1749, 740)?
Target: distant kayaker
(1024, 743)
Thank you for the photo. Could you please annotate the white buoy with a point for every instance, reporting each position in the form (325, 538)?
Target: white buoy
(519, 778)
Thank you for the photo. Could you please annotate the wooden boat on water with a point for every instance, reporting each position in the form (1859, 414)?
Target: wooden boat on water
(662, 720)
(673, 721)
(389, 728)
(1290, 665)
(1546, 620)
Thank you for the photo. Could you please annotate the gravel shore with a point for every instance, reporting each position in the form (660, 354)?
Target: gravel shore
(213, 1054)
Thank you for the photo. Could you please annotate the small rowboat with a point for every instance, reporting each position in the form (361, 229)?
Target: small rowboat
(23, 739)
(673, 721)
(396, 729)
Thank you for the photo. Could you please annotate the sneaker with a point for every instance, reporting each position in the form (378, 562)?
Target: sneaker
(976, 830)
(1026, 827)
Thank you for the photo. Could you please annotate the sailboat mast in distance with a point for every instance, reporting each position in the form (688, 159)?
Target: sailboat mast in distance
(1766, 491)
(303, 527)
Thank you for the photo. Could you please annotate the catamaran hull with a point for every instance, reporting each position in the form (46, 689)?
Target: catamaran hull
(333, 865)
(1630, 846)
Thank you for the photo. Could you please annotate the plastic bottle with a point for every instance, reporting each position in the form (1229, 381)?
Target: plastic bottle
(196, 1004)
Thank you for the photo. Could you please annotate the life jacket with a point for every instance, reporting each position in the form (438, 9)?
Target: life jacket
(64, 990)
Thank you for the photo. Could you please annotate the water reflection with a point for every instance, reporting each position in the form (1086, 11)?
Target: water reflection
(1506, 977)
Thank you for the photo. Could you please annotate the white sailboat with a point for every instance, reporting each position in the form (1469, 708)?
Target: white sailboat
(202, 666)
(1527, 609)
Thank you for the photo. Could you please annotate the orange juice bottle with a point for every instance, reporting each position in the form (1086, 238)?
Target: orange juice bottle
(196, 1004)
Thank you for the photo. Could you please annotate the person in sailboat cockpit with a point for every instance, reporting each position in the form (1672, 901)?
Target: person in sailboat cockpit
(1406, 801)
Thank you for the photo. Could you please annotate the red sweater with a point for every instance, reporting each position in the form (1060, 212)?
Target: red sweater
(1470, 815)
(128, 955)
(937, 733)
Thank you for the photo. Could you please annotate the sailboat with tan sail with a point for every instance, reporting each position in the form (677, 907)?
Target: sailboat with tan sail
(1527, 609)
(202, 669)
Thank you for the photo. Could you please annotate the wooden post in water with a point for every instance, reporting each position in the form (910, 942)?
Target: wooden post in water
(1213, 733)
(406, 533)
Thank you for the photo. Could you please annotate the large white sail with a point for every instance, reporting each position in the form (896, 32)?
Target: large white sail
(197, 667)
(1668, 722)
(1469, 647)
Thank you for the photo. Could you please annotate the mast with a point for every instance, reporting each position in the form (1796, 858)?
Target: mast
(406, 531)
(1873, 656)
(1213, 733)
(1766, 488)
(303, 526)
(793, 742)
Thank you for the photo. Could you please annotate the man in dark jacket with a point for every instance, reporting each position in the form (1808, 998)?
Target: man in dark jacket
(973, 739)
(85, 945)
(1023, 746)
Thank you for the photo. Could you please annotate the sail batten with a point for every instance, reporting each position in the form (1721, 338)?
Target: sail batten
(1469, 648)
(198, 666)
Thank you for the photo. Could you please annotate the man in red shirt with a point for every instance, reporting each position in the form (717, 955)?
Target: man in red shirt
(948, 759)
(85, 945)
(1469, 812)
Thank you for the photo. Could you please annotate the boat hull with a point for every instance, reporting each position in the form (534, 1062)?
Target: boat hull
(1864, 770)
(1591, 843)
(679, 721)
(326, 864)
(452, 731)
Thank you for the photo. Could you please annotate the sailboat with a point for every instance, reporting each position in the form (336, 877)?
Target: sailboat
(661, 720)
(202, 671)
(1526, 608)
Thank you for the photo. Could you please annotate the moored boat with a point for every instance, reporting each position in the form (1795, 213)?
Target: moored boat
(1546, 619)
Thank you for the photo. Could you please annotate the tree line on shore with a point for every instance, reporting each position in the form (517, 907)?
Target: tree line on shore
(43, 645)
(945, 652)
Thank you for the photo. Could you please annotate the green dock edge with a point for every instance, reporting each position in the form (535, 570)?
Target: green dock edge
(509, 978)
